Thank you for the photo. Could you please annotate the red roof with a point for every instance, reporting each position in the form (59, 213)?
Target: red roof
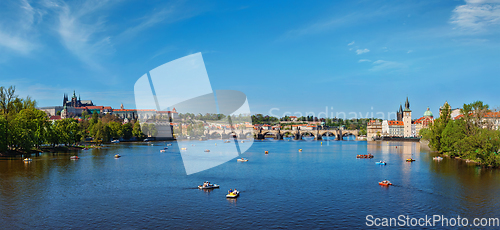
(55, 118)
(395, 122)
(134, 110)
(95, 107)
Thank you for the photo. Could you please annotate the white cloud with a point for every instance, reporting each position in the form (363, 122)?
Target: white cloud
(350, 44)
(169, 13)
(364, 60)
(381, 65)
(409, 51)
(82, 32)
(362, 51)
(477, 15)
(18, 35)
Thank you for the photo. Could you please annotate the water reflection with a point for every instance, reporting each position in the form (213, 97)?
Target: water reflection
(325, 183)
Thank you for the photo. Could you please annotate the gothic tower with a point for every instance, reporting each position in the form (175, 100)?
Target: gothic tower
(407, 119)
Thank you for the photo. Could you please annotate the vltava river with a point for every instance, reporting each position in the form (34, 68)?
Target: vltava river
(324, 186)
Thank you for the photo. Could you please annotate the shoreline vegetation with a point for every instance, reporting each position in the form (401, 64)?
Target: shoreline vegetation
(471, 137)
(26, 130)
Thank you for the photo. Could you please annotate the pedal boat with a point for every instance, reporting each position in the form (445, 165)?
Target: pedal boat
(207, 185)
(385, 183)
(233, 194)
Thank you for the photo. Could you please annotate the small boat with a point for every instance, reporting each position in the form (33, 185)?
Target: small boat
(364, 156)
(410, 160)
(86, 149)
(208, 185)
(232, 193)
(266, 152)
(74, 157)
(242, 160)
(437, 158)
(117, 156)
(206, 150)
(385, 183)
(162, 150)
(183, 148)
(242, 141)
(169, 144)
(300, 150)
(115, 141)
(381, 163)
(27, 159)
(227, 141)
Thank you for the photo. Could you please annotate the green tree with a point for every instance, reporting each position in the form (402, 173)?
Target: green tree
(115, 129)
(136, 131)
(127, 131)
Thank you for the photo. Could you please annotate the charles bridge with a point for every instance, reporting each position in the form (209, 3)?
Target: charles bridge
(279, 134)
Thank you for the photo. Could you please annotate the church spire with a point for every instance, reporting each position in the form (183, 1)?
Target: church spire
(407, 104)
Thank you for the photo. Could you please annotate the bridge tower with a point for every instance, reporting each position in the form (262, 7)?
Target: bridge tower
(407, 119)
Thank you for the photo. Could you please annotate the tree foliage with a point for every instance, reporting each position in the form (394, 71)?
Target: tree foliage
(469, 137)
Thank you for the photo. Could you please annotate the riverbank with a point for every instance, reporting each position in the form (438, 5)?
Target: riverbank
(424, 144)
(13, 153)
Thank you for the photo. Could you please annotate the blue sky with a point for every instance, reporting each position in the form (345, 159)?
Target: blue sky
(296, 56)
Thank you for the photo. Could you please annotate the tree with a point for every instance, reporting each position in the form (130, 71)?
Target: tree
(136, 131)
(28, 128)
(127, 131)
(115, 129)
(3, 134)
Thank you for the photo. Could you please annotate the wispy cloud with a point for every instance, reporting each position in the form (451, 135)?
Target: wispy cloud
(381, 65)
(18, 35)
(409, 51)
(477, 15)
(83, 32)
(169, 13)
(350, 44)
(364, 60)
(362, 51)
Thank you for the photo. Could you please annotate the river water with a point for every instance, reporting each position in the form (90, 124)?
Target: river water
(324, 186)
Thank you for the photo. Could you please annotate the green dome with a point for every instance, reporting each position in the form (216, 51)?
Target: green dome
(428, 113)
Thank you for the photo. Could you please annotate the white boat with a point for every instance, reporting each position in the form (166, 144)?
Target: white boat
(169, 144)
(27, 159)
(115, 141)
(208, 185)
(437, 158)
(233, 194)
(162, 150)
(242, 160)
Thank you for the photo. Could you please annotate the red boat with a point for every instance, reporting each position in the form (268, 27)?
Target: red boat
(364, 156)
(385, 183)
